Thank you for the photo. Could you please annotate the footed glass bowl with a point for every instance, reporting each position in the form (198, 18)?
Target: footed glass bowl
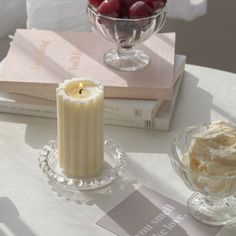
(214, 200)
(125, 34)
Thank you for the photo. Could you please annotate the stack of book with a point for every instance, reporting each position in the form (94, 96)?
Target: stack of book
(38, 60)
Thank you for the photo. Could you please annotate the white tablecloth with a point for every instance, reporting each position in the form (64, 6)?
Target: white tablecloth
(29, 205)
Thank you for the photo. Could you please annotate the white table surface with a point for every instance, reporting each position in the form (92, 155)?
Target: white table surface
(28, 204)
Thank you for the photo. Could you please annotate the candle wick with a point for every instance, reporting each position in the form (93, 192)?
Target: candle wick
(80, 91)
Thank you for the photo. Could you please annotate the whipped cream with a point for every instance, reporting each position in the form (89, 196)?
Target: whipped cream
(213, 151)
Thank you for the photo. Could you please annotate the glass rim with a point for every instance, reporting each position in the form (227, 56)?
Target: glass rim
(154, 16)
(175, 157)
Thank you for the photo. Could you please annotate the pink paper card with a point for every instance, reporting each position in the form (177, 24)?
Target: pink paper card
(148, 213)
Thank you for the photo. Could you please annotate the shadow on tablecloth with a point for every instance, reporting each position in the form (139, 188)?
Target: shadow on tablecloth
(11, 220)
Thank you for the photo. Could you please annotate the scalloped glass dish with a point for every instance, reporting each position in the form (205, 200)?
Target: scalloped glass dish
(114, 165)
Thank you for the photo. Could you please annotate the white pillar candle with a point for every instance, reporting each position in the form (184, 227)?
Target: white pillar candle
(80, 127)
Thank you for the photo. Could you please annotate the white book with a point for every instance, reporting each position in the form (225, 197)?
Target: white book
(137, 108)
(161, 121)
(26, 105)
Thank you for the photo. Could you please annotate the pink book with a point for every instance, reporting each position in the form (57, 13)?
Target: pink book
(38, 60)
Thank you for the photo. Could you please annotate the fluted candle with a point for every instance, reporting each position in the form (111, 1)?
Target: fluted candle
(80, 127)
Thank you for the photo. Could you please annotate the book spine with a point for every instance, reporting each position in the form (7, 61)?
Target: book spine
(44, 96)
(48, 97)
(28, 109)
(138, 93)
(126, 121)
(129, 109)
(50, 112)
(116, 106)
(109, 92)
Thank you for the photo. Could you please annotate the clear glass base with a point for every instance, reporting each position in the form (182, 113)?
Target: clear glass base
(126, 59)
(114, 165)
(210, 211)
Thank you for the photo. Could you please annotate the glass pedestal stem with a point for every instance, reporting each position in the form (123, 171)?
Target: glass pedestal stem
(212, 210)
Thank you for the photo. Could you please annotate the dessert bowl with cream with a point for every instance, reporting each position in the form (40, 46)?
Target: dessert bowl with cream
(205, 158)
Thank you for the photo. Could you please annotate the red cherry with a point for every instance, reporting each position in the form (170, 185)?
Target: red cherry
(95, 3)
(139, 10)
(110, 8)
(156, 4)
(127, 3)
